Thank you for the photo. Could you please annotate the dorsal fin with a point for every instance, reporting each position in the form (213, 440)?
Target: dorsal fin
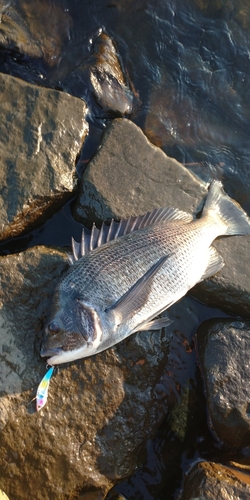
(115, 230)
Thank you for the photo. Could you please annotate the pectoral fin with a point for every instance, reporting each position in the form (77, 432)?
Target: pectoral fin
(135, 298)
(155, 324)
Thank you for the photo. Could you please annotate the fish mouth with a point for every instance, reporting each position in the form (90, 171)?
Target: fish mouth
(46, 353)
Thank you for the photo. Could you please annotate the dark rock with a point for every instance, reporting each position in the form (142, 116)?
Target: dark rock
(113, 401)
(34, 28)
(110, 84)
(129, 176)
(208, 480)
(42, 132)
(233, 281)
(224, 352)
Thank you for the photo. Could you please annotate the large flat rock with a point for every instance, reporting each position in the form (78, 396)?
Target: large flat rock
(129, 176)
(41, 134)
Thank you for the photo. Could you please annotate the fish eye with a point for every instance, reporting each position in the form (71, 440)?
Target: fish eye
(54, 327)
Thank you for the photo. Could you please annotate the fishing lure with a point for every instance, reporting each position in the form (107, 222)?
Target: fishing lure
(42, 391)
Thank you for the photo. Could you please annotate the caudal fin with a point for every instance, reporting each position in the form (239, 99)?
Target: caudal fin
(226, 211)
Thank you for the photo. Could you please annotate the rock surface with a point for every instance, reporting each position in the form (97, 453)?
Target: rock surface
(224, 352)
(110, 85)
(36, 29)
(102, 76)
(113, 401)
(233, 281)
(42, 132)
(129, 176)
(208, 480)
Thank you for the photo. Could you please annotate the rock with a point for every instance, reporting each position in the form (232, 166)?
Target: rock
(233, 281)
(110, 85)
(113, 401)
(129, 176)
(35, 29)
(208, 480)
(42, 132)
(224, 353)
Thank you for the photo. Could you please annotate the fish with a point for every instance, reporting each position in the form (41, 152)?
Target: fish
(42, 390)
(123, 276)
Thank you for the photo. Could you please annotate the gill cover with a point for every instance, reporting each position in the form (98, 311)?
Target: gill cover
(73, 326)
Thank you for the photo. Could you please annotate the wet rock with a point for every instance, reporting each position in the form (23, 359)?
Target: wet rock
(233, 280)
(208, 480)
(224, 352)
(110, 84)
(129, 176)
(113, 401)
(35, 29)
(104, 73)
(41, 134)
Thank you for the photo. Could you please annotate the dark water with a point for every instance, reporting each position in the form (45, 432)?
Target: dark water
(189, 61)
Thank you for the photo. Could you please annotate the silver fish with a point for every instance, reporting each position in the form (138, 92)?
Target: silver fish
(124, 275)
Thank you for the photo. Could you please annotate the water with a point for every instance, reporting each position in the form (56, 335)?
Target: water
(189, 62)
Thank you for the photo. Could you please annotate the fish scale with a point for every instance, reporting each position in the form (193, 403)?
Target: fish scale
(119, 284)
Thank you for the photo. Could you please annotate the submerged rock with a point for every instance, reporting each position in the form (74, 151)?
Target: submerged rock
(129, 176)
(208, 480)
(35, 29)
(224, 352)
(112, 401)
(42, 132)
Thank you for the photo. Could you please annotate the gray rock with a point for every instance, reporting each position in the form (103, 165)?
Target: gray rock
(208, 480)
(113, 401)
(42, 132)
(224, 352)
(229, 290)
(129, 176)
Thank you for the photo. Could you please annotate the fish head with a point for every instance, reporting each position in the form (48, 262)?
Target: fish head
(73, 330)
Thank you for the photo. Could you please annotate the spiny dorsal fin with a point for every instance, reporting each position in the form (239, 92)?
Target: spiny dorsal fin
(115, 230)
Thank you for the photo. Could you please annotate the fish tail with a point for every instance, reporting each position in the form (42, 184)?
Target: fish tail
(225, 211)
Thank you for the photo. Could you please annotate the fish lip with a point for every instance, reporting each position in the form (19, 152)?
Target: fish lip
(45, 353)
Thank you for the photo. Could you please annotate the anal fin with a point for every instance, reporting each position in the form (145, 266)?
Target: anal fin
(155, 324)
(215, 264)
